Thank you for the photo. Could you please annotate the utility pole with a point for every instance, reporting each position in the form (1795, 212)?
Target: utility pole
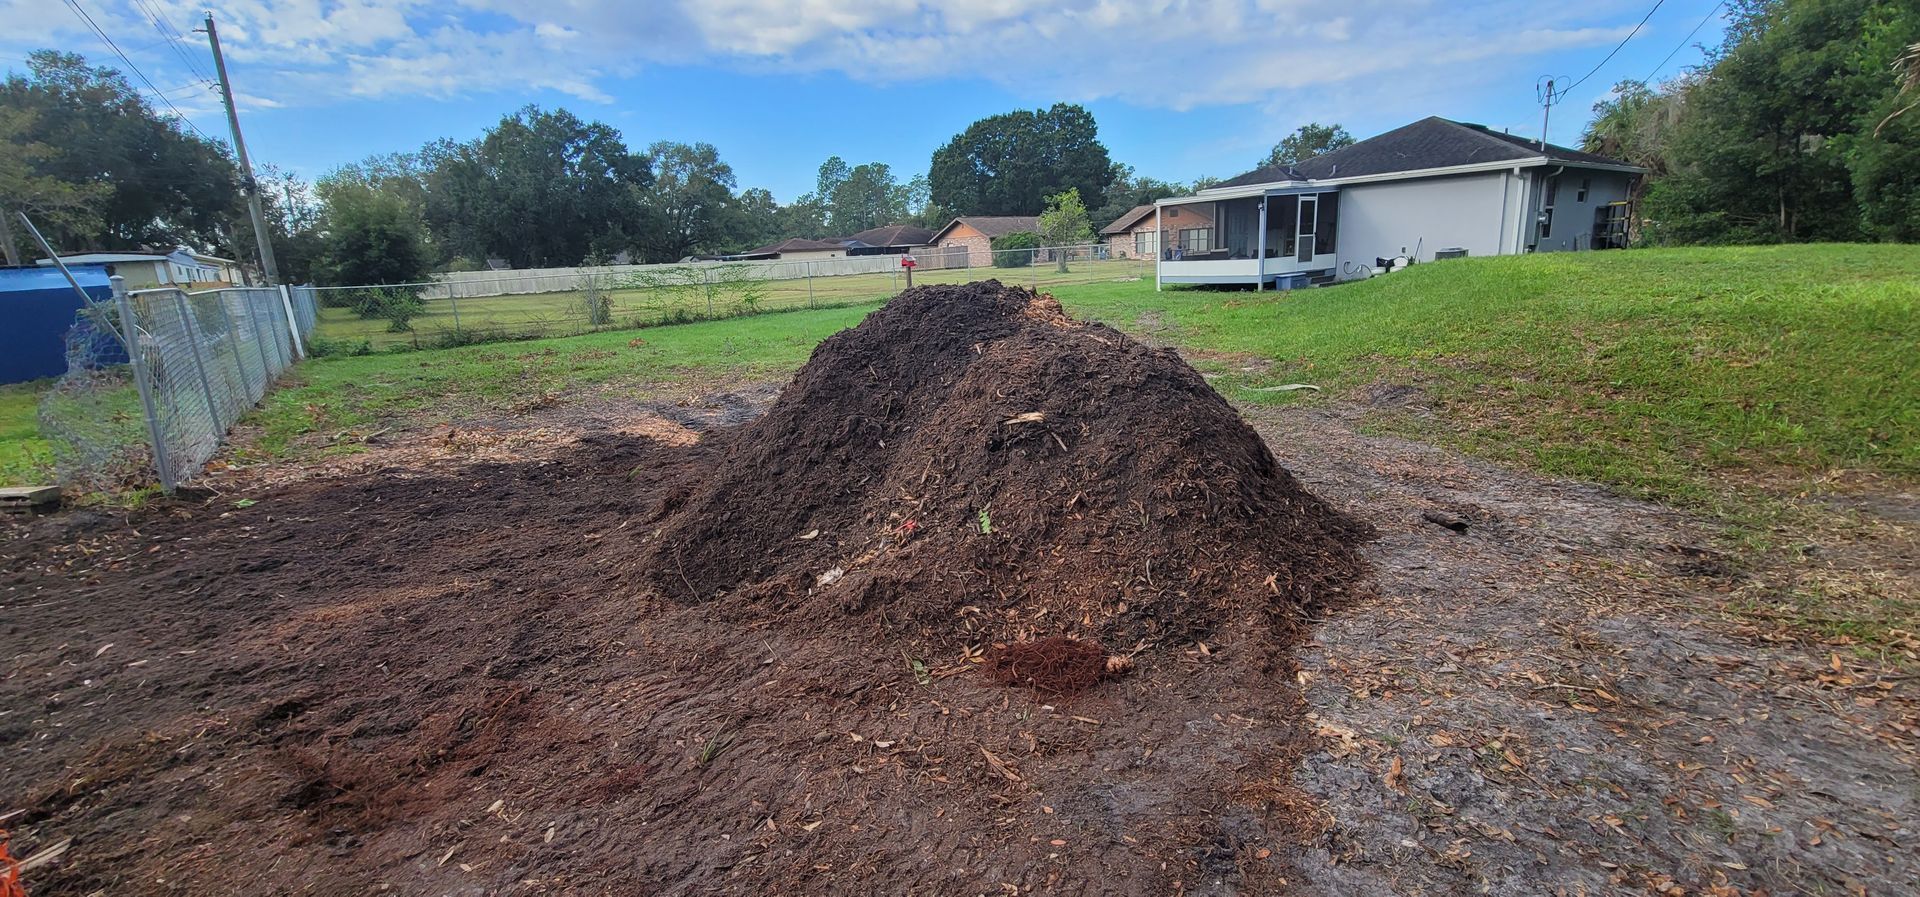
(254, 207)
(1546, 99)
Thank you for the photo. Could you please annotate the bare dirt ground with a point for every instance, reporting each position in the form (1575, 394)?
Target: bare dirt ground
(418, 670)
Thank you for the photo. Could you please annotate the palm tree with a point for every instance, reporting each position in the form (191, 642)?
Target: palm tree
(1907, 69)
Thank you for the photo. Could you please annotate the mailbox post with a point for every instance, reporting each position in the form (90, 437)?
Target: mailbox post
(907, 262)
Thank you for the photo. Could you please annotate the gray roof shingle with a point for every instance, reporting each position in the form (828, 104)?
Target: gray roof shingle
(1432, 142)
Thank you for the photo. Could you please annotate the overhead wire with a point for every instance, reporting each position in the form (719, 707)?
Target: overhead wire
(77, 8)
(1684, 41)
(175, 39)
(1615, 52)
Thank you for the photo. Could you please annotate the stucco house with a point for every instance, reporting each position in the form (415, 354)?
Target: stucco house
(1434, 188)
(182, 267)
(968, 240)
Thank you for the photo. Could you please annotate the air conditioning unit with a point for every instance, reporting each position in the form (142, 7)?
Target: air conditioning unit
(1454, 253)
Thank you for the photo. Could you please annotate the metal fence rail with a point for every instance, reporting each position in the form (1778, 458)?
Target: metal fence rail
(193, 363)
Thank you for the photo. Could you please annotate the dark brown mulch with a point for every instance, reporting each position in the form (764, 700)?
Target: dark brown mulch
(631, 665)
(1056, 664)
(971, 463)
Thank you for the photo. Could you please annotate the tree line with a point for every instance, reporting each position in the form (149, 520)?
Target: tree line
(1800, 126)
(98, 168)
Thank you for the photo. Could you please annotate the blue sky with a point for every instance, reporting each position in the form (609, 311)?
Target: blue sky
(1180, 89)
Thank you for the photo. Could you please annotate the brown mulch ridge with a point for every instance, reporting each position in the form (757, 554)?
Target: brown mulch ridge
(970, 461)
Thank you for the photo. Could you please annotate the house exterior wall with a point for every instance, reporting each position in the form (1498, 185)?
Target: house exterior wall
(1126, 245)
(1572, 215)
(1404, 217)
(979, 246)
(1174, 219)
(143, 275)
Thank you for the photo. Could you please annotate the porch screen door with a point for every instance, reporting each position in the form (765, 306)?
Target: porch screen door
(1309, 205)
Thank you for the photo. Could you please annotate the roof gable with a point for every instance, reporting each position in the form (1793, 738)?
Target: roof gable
(894, 235)
(1429, 143)
(994, 225)
(1125, 222)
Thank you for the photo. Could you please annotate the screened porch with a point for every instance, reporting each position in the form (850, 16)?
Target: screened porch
(1253, 239)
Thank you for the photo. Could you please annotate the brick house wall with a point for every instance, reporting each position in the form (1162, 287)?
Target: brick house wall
(979, 246)
(1124, 245)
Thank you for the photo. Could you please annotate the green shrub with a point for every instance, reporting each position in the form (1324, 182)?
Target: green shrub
(1006, 248)
(397, 305)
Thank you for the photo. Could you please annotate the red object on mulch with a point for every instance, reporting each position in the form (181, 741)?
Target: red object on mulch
(10, 885)
(1056, 471)
(1058, 664)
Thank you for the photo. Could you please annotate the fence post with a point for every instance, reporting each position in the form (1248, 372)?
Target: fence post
(706, 279)
(293, 327)
(809, 283)
(192, 325)
(130, 335)
(267, 373)
(455, 302)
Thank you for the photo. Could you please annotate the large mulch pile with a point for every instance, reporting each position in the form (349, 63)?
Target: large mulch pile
(971, 462)
(684, 655)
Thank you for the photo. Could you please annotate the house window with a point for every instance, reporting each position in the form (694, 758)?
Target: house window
(1142, 246)
(1196, 239)
(1586, 184)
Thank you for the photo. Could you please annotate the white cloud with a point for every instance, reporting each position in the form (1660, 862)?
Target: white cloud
(1176, 54)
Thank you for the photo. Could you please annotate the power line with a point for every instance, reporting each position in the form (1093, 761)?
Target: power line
(75, 4)
(1683, 41)
(1616, 50)
(174, 38)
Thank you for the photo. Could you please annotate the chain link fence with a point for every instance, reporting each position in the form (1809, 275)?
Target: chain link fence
(155, 380)
(561, 302)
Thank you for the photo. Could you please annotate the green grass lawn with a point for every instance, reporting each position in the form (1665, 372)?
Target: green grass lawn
(25, 458)
(1656, 371)
(561, 314)
(331, 395)
(1660, 372)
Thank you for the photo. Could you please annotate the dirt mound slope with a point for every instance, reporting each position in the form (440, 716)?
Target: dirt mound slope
(971, 462)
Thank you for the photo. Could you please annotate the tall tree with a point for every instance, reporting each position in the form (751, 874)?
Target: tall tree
(55, 205)
(868, 197)
(148, 180)
(372, 237)
(1009, 164)
(689, 204)
(1777, 140)
(1129, 190)
(539, 189)
(1308, 140)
